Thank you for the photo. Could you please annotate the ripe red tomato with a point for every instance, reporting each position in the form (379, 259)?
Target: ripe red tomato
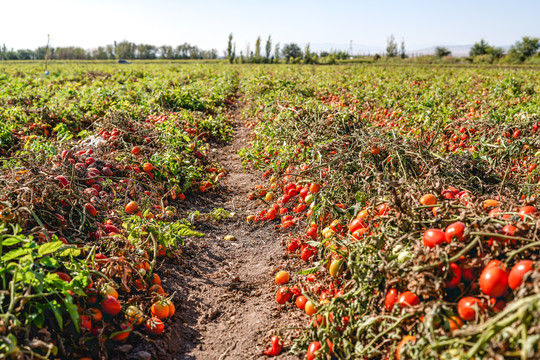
(86, 322)
(455, 230)
(468, 273)
(124, 334)
(271, 214)
(312, 351)
(110, 306)
(527, 210)
(468, 307)
(154, 326)
(356, 224)
(275, 348)
(312, 232)
(301, 302)
(90, 209)
(283, 295)
(306, 253)
(292, 246)
(433, 237)
(408, 298)
(515, 277)
(493, 280)
(383, 209)
(454, 276)
(390, 299)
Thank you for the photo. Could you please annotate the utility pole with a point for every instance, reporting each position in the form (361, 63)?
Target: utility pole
(350, 49)
(47, 53)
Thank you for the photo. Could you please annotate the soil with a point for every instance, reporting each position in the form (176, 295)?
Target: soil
(224, 289)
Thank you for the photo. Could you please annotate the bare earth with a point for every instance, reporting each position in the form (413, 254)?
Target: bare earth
(225, 293)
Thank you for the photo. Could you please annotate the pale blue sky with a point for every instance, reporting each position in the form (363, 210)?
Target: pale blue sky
(422, 23)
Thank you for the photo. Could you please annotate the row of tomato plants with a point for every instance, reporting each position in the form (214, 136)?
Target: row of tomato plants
(96, 163)
(412, 195)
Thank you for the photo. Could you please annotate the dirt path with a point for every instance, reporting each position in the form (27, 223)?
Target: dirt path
(224, 289)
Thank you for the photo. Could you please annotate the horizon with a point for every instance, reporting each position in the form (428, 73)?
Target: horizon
(208, 24)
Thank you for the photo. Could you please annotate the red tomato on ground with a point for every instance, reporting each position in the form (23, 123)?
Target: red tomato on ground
(493, 280)
(455, 230)
(390, 299)
(408, 298)
(433, 237)
(313, 349)
(515, 277)
(468, 308)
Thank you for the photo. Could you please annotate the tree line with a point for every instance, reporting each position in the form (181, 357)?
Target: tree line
(274, 53)
(481, 51)
(523, 50)
(117, 50)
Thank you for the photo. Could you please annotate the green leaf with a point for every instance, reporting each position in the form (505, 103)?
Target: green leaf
(73, 313)
(56, 309)
(11, 241)
(50, 247)
(308, 271)
(185, 230)
(70, 252)
(15, 254)
(49, 262)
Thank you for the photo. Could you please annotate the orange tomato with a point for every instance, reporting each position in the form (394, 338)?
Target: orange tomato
(406, 339)
(310, 308)
(132, 207)
(147, 167)
(160, 310)
(95, 314)
(428, 199)
(282, 277)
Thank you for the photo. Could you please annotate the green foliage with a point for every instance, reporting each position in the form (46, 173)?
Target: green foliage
(524, 49)
(441, 52)
(291, 51)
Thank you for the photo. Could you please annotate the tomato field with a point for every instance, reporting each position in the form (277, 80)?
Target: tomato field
(391, 210)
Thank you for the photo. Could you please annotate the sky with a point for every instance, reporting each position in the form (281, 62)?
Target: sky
(323, 24)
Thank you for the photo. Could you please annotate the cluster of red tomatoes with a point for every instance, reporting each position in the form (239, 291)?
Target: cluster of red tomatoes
(295, 200)
(480, 294)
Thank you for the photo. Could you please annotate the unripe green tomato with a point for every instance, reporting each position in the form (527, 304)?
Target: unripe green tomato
(404, 256)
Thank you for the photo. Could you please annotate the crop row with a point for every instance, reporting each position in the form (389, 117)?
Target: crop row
(412, 195)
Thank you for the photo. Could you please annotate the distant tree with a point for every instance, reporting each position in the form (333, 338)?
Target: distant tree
(257, 56)
(483, 52)
(441, 52)
(268, 48)
(276, 53)
(248, 53)
(391, 47)
(99, 54)
(307, 51)
(124, 50)
(166, 52)
(479, 48)
(309, 57)
(231, 49)
(402, 52)
(524, 49)
(291, 51)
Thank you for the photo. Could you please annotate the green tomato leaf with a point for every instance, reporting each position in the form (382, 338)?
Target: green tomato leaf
(50, 247)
